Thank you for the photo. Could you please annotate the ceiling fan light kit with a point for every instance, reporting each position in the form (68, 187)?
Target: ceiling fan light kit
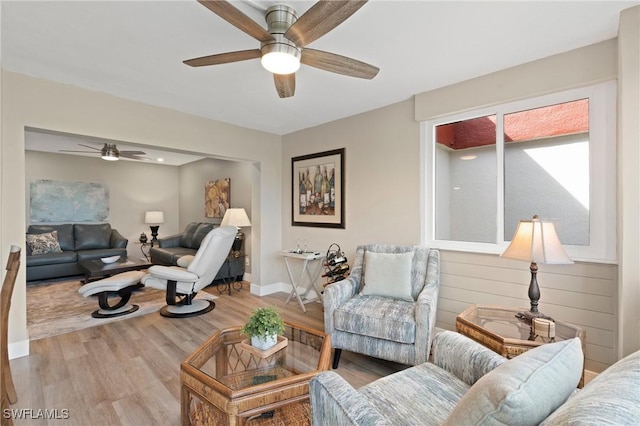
(283, 43)
(110, 153)
(280, 55)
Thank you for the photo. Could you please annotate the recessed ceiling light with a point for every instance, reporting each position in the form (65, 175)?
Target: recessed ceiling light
(468, 157)
(160, 160)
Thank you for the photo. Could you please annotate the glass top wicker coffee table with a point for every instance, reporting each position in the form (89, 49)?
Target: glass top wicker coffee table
(225, 383)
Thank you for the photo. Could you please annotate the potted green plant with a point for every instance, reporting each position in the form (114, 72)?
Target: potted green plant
(263, 327)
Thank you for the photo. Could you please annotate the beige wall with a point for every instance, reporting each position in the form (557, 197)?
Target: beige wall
(47, 105)
(383, 197)
(382, 183)
(576, 68)
(193, 178)
(629, 179)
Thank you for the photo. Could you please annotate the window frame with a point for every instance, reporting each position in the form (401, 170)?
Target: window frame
(602, 172)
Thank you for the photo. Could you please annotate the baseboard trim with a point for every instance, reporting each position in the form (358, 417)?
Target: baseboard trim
(18, 349)
(265, 290)
(279, 287)
(589, 376)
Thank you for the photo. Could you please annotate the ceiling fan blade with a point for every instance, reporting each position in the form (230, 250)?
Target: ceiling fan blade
(285, 84)
(223, 58)
(90, 147)
(321, 18)
(338, 64)
(129, 153)
(229, 13)
(69, 150)
(134, 157)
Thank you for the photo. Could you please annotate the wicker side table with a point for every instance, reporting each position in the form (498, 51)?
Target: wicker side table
(498, 329)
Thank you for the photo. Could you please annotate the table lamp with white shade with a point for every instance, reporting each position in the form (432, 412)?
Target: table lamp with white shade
(154, 218)
(536, 241)
(236, 217)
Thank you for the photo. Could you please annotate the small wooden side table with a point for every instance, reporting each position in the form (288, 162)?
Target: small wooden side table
(498, 329)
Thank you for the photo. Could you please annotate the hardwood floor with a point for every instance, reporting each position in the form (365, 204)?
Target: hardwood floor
(127, 372)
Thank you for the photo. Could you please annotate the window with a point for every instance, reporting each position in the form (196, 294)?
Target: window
(553, 156)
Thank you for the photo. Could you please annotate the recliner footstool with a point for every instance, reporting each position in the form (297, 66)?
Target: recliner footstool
(123, 284)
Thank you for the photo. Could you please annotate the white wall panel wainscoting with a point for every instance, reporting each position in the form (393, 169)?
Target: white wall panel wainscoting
(584, 294)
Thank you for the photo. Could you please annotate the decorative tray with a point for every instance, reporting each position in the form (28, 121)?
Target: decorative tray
(282, 343)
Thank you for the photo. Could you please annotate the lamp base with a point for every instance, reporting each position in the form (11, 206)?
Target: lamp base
(237, 246)
(154, 235)
(534, 297)
(528, 316)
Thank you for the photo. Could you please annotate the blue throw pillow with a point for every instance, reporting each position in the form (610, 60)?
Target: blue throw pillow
(524, 390)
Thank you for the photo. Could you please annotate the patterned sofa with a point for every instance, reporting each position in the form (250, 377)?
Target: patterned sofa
(468, 384)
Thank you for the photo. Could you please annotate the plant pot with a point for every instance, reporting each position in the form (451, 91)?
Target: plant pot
(264, 343)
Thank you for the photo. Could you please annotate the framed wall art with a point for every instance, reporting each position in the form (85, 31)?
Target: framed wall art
(217, 198)
(318, 189)
(61, 201)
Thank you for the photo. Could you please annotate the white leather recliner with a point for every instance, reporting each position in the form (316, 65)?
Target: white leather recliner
(183, 283)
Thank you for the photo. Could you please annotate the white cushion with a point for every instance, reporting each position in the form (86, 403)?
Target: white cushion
(524, 390)
(388, 274)
(174, 273)
(112, 283)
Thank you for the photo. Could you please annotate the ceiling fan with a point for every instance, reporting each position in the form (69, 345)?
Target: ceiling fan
(283, 43)
(110, 152)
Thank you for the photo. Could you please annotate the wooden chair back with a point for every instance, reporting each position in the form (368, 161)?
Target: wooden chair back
(9, 395)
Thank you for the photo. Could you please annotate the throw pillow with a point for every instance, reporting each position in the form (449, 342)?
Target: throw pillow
(388, 274)
(44, 243)
(524, 390)
(65, 234)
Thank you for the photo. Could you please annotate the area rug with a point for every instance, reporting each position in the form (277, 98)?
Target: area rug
(56, 307)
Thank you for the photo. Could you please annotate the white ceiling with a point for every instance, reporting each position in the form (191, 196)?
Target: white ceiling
(135, 49)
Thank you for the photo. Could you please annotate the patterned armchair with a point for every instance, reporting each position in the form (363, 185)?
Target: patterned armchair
(364, 315)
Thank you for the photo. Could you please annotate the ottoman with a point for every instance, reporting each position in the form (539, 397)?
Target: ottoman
(122, 284)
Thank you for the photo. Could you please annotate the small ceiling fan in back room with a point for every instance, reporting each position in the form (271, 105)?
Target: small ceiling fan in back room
(110, 152)
(283, 43)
